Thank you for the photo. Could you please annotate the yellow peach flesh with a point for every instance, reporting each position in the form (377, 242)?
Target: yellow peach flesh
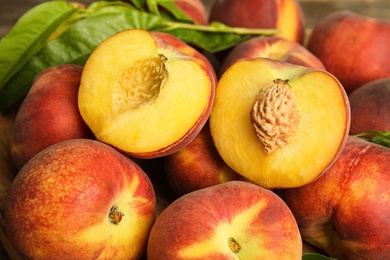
(321, 131)
(289, 20)
(141, 109)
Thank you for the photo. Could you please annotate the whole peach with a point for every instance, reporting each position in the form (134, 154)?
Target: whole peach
(285, 15)
(231, 220)
(49, 113)
(273, 47)
(198, 165)
(353, 47)
(80, 199)
(370, 107)
(195, 9)
(345, 212)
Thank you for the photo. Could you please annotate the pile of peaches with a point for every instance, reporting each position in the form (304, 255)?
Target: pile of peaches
(154, 149)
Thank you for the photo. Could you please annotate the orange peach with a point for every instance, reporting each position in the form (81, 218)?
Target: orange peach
(285, 15)
(279, 124)
(143, 96)
(80, 199)
(353, 47)
(273, 47)
(49, 113)
(195, 9)
(346, 211)
(198, 165)
(370, 107)
(231, 220)
(184, 47)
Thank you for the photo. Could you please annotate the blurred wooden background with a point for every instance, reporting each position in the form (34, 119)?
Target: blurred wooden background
(314, 10)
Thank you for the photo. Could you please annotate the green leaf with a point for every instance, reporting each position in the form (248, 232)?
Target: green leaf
(29, 34)
(209, 41)
(140, 4)
(152, 7)
(74, 47)
(377, 137)
(170, 10)
(108, 7)
(214, 37)
(94, 8)
(171, 7)
(316, 256)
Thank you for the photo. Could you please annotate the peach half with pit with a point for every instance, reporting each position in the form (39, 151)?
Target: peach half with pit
(143, 96)
(278, 124)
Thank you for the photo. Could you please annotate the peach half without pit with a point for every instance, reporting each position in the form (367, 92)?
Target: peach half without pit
(278, 124)
(143, 96)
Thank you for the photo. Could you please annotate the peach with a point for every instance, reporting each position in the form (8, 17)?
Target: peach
(346, 211)
(49, 113)
(143, 96)
(184, 47)
(273, 47)
(279, 124)
(231, 220)
(370, 107)
(353, 47)
(80, 199)
(195, 9)
(198, 165)
(285, 15)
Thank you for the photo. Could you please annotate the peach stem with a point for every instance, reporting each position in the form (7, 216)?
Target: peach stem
(115, 215)
(233, 245)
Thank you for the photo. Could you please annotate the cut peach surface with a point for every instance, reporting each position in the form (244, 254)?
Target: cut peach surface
(143, 96)
(278, 124)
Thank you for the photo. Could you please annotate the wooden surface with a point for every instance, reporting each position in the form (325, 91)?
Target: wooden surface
(11, 10)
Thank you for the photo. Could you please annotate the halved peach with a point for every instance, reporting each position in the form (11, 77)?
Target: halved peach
(279, 124)
(143, 96)
(183, 46)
